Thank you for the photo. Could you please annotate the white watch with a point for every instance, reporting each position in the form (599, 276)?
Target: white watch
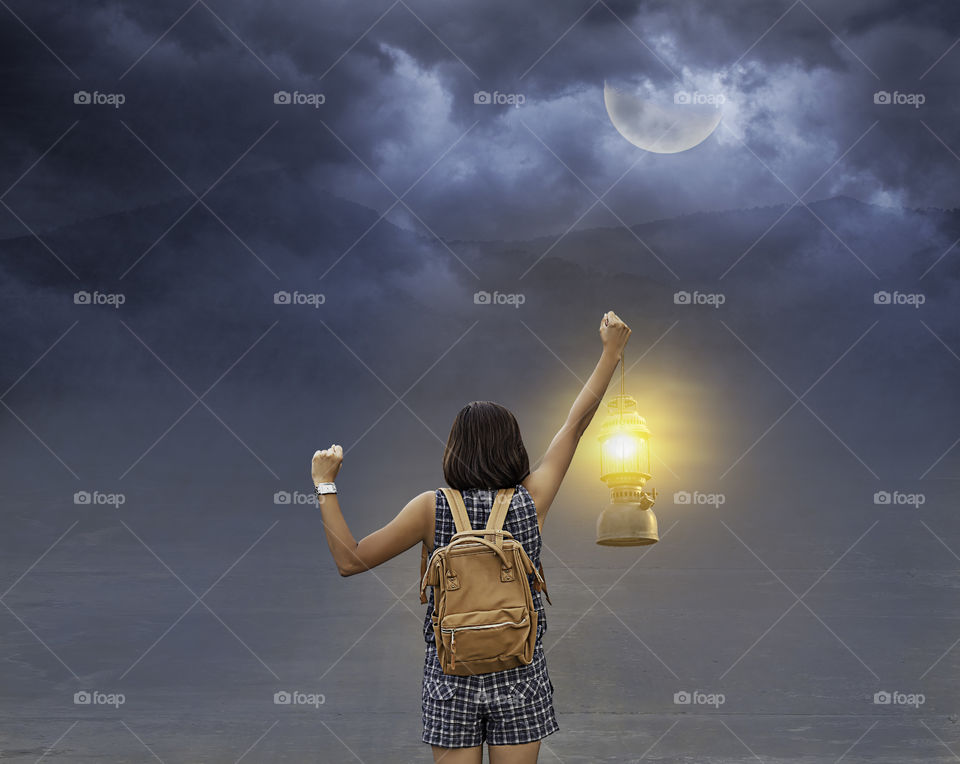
(323, 488)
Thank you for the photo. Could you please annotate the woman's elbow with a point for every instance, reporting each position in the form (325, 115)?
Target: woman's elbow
(352, 565)
(351, 568)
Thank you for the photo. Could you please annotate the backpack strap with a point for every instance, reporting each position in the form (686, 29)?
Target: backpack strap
(458, 509)
(543, 586)
(498, 514)
(423, 571)
(424, 555)
(460, 518)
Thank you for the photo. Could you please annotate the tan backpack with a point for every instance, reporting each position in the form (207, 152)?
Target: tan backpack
(483, 614)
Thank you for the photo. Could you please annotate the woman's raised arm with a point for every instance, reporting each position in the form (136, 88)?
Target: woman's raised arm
(544, 482)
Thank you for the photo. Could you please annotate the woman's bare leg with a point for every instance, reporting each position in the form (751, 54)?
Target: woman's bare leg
(525, 753)
(472, 755)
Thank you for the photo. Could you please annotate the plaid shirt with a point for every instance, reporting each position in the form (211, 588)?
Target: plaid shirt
(521, 521)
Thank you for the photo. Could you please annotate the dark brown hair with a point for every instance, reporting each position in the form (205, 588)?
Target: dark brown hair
(485, 449)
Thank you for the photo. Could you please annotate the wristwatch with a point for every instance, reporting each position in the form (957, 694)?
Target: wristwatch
(324, 488)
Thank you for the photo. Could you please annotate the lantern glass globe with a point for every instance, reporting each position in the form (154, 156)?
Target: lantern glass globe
(624, 439)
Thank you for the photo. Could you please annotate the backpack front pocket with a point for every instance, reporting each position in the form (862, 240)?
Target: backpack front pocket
(485, 634)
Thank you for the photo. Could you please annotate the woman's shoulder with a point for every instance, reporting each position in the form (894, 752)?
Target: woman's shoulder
(426, 500)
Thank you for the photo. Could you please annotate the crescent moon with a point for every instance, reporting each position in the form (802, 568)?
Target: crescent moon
(662, 129)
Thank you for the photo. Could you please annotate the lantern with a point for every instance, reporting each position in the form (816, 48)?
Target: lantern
(628, 519)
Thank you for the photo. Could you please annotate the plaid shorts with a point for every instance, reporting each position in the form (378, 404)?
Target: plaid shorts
(506, 707)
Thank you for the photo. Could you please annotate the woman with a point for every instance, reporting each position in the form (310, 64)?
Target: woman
(512, 710)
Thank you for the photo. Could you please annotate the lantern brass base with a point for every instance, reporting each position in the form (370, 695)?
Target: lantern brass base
(627, 525)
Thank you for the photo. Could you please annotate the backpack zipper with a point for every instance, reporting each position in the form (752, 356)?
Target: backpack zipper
(454, 629)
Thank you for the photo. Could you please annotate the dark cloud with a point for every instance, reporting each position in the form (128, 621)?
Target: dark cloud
(399, 92)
